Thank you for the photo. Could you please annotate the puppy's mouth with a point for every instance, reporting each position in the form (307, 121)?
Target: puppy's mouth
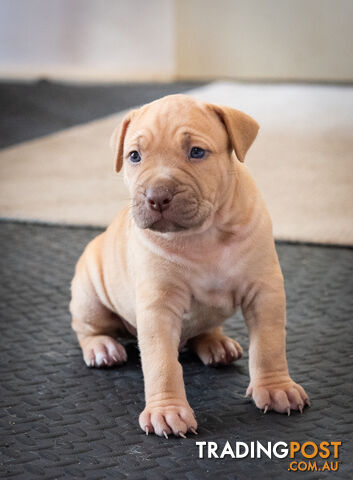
(183, 214)
(164, 225)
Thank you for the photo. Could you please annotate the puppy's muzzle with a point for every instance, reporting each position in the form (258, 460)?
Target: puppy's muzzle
(159, 197)
(167, 205)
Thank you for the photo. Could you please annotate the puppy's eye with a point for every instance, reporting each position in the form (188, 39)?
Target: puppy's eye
(135, 157)
(197, 152)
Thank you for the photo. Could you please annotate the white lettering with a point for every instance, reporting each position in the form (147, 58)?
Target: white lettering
(262, 448)
(245, 453)
(200, 445)
(243, 449)
(212, 448)
(227, 450)
(283, 452)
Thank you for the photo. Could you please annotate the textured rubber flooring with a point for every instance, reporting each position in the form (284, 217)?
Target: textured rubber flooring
(31, 109)
(59, 419)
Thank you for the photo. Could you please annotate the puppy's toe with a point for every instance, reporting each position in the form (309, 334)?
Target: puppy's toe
(217, 353)
(217, 349)
(233, 349)
(103, 351)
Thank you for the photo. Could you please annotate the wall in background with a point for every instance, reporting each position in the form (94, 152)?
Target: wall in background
(186, 39)
(87, 39)
(265, 39)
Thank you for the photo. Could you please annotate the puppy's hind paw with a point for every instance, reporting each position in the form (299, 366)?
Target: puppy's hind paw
(103, 351)
(216, 349)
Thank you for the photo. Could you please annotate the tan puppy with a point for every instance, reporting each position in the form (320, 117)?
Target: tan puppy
(195, 243)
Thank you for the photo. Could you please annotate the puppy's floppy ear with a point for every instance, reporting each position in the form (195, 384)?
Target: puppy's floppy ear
(117, 140)
(241, 128)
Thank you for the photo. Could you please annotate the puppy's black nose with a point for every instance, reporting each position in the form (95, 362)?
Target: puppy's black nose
(159, 197)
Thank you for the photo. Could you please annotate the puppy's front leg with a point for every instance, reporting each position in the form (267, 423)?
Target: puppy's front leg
(159, 318)
(270, 384)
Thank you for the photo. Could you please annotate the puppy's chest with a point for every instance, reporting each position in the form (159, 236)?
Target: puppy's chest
(213, 290)
(213, 300)
(216, 282)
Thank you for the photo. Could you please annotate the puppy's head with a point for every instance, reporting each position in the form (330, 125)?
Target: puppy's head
(177, 157)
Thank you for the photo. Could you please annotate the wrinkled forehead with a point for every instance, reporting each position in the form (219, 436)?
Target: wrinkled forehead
(176, 118)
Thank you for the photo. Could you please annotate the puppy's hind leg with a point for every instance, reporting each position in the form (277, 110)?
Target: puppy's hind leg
(95, 326)
(214, 348)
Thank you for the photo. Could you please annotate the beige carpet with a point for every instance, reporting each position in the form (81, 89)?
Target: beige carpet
(302, 162)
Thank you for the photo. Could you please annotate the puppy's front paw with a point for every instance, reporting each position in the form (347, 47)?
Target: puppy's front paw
(282, 397)
(166, 417)
(102, 351)
(216, 349)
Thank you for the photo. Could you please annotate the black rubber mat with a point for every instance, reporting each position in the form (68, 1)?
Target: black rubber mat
(60, 419)
(31, 109)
